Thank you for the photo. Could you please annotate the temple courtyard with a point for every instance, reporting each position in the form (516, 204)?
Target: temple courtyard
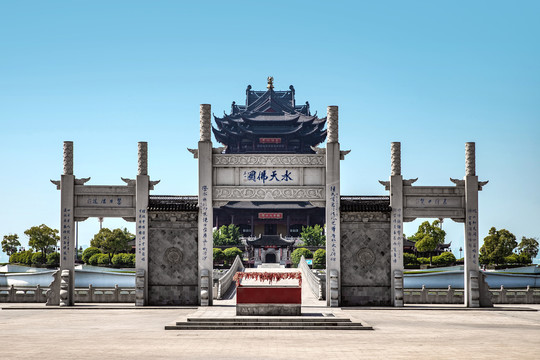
(121, 331)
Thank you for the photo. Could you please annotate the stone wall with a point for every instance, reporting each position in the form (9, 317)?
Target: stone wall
(172, 258)
(365, 259)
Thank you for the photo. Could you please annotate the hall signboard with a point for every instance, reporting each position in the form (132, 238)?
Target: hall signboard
(104, 201)
(255, 177)
(434, 201)
(270, 215)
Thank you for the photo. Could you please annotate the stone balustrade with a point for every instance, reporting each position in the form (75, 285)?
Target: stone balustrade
(225, 282)
(37, 294)
(317, 286)
(455, 296)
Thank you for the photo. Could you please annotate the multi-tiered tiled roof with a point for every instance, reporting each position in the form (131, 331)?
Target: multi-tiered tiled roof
(270, 122)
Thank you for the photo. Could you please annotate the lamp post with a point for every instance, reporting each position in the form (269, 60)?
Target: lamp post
(460, 250)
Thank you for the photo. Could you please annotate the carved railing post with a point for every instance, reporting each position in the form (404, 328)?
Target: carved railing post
(64, 289)
(398, 288)
(205, 287)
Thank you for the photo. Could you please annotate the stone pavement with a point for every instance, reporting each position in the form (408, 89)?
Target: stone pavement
(121, 331)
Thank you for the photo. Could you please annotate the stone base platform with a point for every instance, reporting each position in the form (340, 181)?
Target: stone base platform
(268, 310)
(224, 319)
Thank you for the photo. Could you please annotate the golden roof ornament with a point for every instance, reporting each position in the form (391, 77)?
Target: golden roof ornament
(270, 82)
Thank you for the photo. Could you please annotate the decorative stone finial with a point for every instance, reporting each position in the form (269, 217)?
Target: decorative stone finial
(470, 159)
(270, 82)
(68, 157)
(206, 122)
(143, 158)
(332, 124)
(395, 153)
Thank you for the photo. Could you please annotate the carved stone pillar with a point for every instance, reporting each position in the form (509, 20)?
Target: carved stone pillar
(333, 218)
(67, 224)
(471, 228)
(396, 225)
(205, 207)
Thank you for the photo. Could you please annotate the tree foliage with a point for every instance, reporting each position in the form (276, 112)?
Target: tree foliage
(529, 246)
(319, 259)
(217, 254)
(88, 252)
(227, 235)
(231, 253)
(42, 238)
(497, 245)
(111, 242)
(428, 237)
(313, 235)
(297, 255)
(10, 244)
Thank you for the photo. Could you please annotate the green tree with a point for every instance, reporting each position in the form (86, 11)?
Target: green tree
(313, 235)
(111, 242)
(10, 244)
(319, 259)
(217, 254)
(42, 238)
(527, 245)
(88, 252)
(297, 255)
(497, 245)
(227, 235)
(428, 237)
(231, 253)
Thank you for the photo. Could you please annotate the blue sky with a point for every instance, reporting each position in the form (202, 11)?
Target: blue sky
(432, 75)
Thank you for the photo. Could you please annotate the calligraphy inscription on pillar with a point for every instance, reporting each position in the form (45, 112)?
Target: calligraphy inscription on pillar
(141, 231)
(66, 232)
(207, 224)
(397, 235)
(472, 233)
(331, 228)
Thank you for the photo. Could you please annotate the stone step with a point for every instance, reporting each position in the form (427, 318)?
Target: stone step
(186, 326)
(270, 319)
(269, 323)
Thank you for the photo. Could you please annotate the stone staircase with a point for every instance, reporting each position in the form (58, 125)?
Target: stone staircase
(306, 322)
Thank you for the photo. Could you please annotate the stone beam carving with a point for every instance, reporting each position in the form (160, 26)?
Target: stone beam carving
(273, 160)
(206, 122)
(129, 182)
(458, 182)
(409, 182)
(68, 157)
(195, 152)
(219, 150)
(233, 193)
(57, 183)
(318, 150)
(343, 153)
(82, 181)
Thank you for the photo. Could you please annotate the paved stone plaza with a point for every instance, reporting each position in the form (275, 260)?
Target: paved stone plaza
(32, 331)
